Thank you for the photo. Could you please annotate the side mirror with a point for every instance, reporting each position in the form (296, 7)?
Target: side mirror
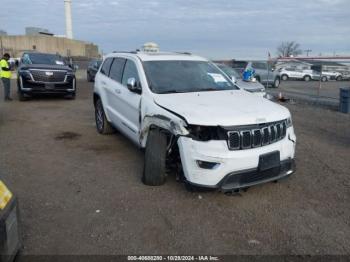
(233, 78)
(132, 85)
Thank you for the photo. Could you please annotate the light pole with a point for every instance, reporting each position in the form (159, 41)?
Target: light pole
(307, 51)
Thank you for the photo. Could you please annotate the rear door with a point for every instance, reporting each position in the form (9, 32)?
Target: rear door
(113, 89)
(129, 102)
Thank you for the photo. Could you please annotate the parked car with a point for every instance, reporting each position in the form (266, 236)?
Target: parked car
(92, 69)
(250, 86)
(264, 73)
(333, 75)
(41, 73)
(292, 73)
(317, 76)
(187, 114)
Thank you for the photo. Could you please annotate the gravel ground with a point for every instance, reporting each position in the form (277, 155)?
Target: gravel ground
(81, 193)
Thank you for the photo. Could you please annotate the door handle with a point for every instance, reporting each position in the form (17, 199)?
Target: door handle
(117, 91)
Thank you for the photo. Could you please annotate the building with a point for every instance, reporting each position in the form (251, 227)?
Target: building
(2, 32)
(34, 31)
(16, 45)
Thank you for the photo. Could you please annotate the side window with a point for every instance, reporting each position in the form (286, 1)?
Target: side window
(259, 66)
(129, 72)
(106, 66)
(117, 69)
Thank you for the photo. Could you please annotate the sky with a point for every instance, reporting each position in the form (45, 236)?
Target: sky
(217, 29)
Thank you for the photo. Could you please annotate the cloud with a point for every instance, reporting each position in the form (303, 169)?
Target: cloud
(221, 28)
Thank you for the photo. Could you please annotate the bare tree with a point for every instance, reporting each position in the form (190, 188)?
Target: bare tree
(287, 49)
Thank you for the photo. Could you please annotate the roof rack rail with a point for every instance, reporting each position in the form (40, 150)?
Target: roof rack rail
(184, 53)
(128, 52)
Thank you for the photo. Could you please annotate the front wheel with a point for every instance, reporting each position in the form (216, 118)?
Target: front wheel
(102, 124)
(154, 173)
(22, 97)
(324, 79)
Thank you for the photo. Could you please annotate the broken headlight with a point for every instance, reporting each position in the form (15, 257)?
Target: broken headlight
(206, 133)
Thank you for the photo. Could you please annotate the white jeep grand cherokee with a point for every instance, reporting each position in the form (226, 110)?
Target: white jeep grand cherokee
(188, 115)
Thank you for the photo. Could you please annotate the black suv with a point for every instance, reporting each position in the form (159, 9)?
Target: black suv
(92, 69)
(41, 73)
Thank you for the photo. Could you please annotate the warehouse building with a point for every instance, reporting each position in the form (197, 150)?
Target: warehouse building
(17, 44)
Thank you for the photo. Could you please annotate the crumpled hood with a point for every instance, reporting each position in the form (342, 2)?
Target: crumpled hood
(222, 108)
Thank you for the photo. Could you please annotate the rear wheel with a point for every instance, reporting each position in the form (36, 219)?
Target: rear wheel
(307, 78)
(154, 173)
(285, 77)
(339, 78)
(277, 82)
(102, 124)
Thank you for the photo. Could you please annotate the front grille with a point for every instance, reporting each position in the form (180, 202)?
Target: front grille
(48, 76)
(256, 136)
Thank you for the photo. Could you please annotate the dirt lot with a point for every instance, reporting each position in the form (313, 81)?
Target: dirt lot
(80, 192)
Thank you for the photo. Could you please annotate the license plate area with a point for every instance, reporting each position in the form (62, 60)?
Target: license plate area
(49, 86)
(269, 161)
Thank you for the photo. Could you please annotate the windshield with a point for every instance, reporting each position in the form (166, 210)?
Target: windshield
(185, 76)
(46, 59)
(230, 71)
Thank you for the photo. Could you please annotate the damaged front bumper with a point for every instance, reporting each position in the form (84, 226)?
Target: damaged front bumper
(230, 170)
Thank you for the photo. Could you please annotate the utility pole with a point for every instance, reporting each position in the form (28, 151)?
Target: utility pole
(307, 51)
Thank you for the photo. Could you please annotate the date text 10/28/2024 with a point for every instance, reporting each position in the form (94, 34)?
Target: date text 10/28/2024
(173, 258)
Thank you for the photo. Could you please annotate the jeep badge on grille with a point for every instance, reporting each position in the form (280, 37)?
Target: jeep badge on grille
(49, 73)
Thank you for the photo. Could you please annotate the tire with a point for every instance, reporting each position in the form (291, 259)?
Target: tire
(88, 77)
(324, 79)
(102, 124)
(284, 77)
(258, 79)
(339, 78)
(154, 172)
(307, 78)
(21, 97)
(70, 96)
(277, 82)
